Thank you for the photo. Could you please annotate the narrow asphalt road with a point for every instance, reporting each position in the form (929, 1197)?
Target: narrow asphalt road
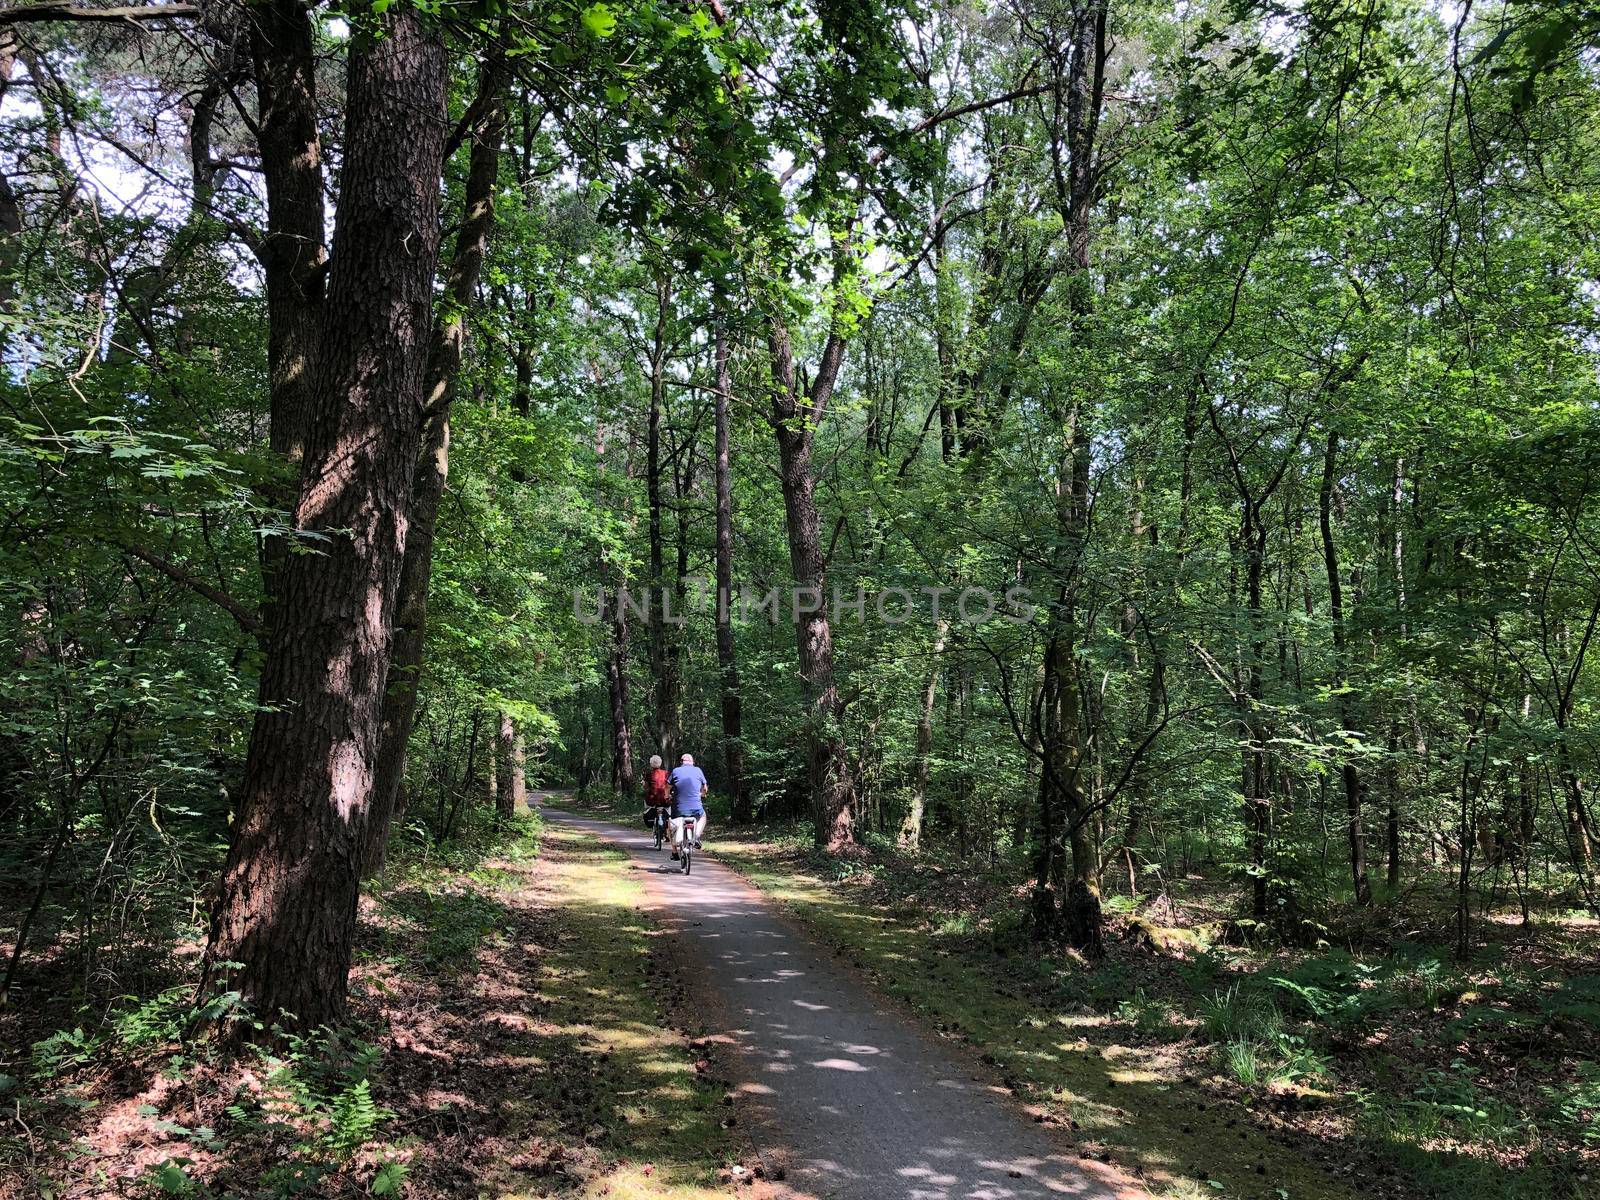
(852, 1100)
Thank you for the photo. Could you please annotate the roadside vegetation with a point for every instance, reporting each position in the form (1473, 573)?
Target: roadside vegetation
(514, 1029)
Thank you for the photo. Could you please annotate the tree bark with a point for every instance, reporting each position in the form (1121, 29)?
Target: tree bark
(286, 906)
(794, 415)
(727, 662)
(433, 464)
(293, 253)
(911, 827)
(511, 792)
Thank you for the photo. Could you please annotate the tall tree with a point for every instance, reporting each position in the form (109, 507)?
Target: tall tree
(733, 755)
(1349, 773)
(433, 464)
(284, 919)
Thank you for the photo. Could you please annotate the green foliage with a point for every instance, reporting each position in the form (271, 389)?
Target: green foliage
(1322, 324)
(1576, 1105)
(451, 925)
(1240, 1013)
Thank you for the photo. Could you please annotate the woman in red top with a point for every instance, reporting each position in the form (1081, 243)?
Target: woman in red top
(657, 796)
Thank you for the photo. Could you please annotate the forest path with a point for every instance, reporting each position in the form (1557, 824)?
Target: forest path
(847, 1099)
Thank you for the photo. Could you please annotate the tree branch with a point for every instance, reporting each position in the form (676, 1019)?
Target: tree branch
(247, 620)
(81, 12)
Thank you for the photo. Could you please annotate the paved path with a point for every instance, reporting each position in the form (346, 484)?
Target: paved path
(853, 1100)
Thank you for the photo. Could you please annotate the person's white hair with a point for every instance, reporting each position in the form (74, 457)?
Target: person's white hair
(655, 761)
(687, 760)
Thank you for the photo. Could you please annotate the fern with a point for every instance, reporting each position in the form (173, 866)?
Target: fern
(353, 1119)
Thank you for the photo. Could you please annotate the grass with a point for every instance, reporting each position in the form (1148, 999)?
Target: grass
(612, 1072)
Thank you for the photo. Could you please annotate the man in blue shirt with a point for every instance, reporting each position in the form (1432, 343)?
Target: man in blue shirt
(689, 788)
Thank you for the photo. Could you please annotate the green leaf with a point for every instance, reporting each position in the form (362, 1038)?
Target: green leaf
(599, 20)
(169, 1176)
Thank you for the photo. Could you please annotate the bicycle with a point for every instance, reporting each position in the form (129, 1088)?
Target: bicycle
(685, 843)
(660, 825)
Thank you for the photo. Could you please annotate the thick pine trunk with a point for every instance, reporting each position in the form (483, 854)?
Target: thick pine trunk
(433, 464)
(286, 906)
(727, 663)
(827, 761)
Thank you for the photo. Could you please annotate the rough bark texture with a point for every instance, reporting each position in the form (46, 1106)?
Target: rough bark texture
(793, 417)
(292, 254)
(433, 464)
(511, 793)
(286, 906)
(732, 710)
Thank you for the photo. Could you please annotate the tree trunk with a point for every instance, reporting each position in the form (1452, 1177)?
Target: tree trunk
(617, 682)
(10, 208)
(911, 827)
(286, 906)
(292, 254)
(732, 714)
(1257, 795)
(511, 789)
(667, 684)
(793, 417)
(1067, 875)
(1350, 776)
(585, 756)
(433, 465)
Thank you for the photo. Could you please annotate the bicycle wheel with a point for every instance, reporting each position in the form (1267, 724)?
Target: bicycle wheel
(686, 854)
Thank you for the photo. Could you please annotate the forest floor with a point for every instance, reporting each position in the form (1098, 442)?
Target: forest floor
(517, 1032)
(1381, 1069)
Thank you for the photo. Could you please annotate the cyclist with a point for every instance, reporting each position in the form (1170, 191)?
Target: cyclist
(657, 797)
(689, 790)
